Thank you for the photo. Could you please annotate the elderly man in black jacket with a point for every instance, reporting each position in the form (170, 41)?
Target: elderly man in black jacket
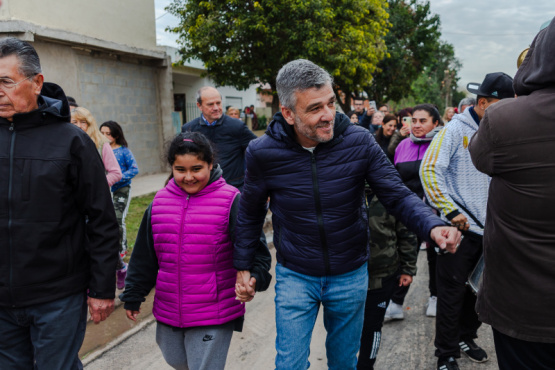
(58, 229)
(230, 135)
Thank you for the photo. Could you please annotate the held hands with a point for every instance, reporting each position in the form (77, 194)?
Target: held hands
(245, 286)
(100, 309)
(446, 237)
(132, 315)
(405, 280)
(460, 222)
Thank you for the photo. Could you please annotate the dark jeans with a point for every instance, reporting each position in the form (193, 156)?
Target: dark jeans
(517, 354)
(43, 336)
(401, 291)
(456, 318)
(377, 301)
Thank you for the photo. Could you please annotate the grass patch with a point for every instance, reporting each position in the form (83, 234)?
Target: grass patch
(137, 208)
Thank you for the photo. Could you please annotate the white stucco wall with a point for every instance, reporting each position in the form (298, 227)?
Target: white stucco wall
(127, 22)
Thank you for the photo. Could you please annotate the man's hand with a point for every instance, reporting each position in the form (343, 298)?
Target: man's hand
(460, 222)
(446, 237)
(132, 315)
(100, 309)
(405, 280)
(244, 287)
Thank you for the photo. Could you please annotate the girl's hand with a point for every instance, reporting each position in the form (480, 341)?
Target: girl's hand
(405, 280)
(132, 315)
(404, 131)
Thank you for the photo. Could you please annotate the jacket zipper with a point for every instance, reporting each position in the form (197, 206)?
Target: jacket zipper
(10, 186)
(179, 256)
(319, 214)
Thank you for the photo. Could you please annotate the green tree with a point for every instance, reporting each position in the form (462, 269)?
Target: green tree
(412, 44)
(437, 84)
(244, 42)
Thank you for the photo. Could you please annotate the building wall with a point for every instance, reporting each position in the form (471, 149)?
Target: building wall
(128, 93)
(128, 22)
(188, 84)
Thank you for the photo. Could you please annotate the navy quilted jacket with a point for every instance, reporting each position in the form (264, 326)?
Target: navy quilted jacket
(317, 199)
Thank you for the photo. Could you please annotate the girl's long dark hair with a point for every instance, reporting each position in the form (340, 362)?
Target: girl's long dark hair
(116, 132)
(193, 143)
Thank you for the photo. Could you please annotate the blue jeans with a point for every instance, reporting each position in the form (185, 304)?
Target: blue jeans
(298, 299)
(43, 336)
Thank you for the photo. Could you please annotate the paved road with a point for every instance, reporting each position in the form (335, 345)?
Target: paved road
(406, 344)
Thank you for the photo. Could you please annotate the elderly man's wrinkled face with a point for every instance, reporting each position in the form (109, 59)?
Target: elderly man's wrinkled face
(314, 116)
(18, 93)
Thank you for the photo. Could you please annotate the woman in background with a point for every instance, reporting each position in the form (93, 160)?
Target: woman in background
(121, 191)
(83, 118)
(448, 114)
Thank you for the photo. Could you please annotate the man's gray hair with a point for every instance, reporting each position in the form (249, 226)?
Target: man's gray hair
(198, 96)
(466, 101)
(299, 75)
(29, 62)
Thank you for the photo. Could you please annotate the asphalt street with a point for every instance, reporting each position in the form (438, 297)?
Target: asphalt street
(406, 344)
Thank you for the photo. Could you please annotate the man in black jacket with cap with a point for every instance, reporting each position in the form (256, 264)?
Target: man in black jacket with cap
(58, 229)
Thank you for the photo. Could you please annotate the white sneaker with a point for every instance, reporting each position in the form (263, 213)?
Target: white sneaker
(394, 311)
(432, 307)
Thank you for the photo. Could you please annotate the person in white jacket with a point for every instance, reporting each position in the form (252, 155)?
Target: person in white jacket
(459, 191)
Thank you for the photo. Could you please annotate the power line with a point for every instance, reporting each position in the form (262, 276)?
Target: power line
(161, 15)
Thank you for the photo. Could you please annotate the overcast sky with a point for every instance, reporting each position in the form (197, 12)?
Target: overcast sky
(488, 35)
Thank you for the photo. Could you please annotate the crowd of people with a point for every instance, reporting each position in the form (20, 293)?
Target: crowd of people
(353, 198)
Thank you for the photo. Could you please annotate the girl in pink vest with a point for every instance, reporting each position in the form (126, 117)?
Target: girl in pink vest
(184, 247)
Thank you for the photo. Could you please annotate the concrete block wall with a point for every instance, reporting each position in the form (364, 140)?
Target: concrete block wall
(125, 93)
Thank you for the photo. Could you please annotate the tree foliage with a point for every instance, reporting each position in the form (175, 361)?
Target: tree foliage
(437, 84)
(243, 42)
(412, 44)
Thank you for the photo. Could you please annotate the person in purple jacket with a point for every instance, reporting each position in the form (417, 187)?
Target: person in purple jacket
(426, 123)
(184, 247)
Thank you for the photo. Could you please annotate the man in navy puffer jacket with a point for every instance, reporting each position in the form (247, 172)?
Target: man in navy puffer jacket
(313, 164)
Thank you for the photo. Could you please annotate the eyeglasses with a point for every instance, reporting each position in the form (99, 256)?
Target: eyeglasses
(9, 84)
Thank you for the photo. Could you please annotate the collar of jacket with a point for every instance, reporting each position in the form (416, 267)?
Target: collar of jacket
(218, 122)
(280, 130)
(53, 108)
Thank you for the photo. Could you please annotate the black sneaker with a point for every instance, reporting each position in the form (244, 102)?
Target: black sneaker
(448, 363)
(472, 350)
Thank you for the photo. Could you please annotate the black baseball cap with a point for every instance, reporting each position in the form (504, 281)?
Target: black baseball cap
(497, 85)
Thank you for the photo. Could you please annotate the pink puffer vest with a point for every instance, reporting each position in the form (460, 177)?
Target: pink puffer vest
(196, 279)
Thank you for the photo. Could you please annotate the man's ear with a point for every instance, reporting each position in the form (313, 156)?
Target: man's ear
(38, 80)
(288, 114)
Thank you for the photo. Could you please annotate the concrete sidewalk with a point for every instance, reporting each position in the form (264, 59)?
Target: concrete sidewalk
(147, 184)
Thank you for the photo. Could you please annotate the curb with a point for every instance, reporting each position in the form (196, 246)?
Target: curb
(122, 338)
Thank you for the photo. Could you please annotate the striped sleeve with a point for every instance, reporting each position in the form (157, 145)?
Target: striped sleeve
(433, 173)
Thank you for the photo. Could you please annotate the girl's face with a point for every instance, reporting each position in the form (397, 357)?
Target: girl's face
(106, 132)
(190, 173)
(81, 123)
(450, 114)
(354, 119)
(389, 128)
(422, 123)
